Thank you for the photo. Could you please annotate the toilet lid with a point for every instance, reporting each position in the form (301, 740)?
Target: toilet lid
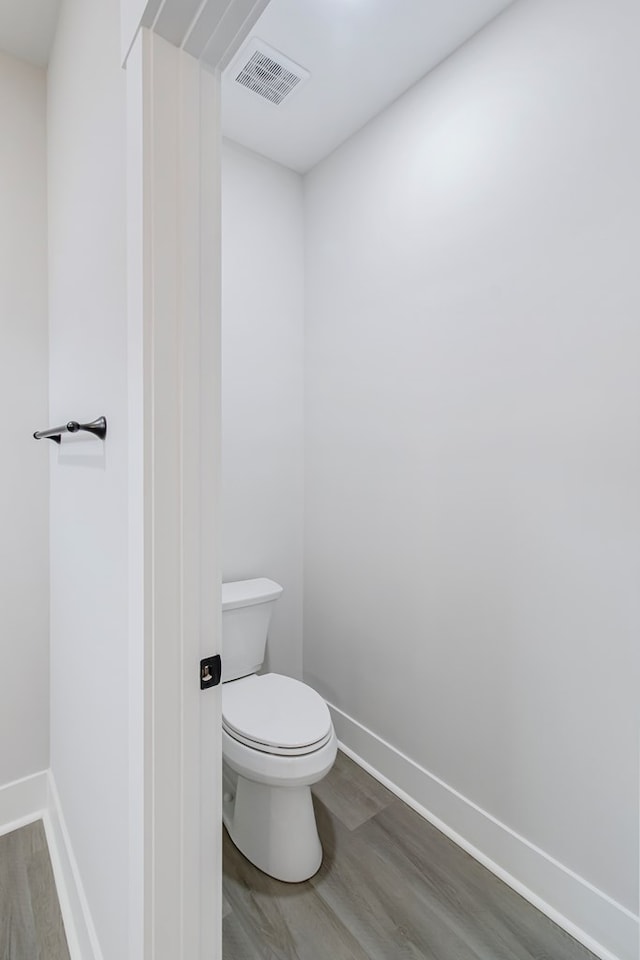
(274, 711)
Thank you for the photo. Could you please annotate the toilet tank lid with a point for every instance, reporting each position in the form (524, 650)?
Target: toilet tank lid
(244, 593)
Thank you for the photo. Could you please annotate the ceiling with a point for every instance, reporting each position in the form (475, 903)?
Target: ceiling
(362, 54)
(27, 28)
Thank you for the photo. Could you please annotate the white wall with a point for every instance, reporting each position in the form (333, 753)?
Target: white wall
(262, 387)
(24, 483)
(472, 465)
(89, 613)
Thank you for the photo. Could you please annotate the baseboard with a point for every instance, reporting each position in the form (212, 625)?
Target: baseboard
(79, 927)
(605, 927)
(36, 798)
(23, 801)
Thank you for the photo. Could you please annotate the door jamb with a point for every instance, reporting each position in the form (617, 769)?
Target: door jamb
(173, 238)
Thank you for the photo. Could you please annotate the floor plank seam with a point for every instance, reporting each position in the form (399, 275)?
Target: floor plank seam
(391, 887)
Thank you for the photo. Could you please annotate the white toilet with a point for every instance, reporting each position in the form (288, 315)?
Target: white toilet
(277, 739)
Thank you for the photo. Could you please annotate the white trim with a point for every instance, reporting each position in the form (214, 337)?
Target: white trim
(74, 906)
(173, 213)
(604, 926)
(209, 30)
(36, 798)
(174, 318)
(214, 39)
(22, 802)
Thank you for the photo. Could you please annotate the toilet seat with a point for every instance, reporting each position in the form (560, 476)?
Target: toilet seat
(274, 750)
(275, 715)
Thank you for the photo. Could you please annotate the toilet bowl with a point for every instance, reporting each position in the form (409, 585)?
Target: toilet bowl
(277, 740)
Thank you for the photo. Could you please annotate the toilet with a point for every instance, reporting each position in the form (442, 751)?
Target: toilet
(277, 740)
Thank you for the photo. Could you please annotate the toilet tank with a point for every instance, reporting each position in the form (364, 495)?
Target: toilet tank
(246, 613)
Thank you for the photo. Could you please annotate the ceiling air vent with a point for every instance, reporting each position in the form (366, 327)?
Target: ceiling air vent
(268, 73)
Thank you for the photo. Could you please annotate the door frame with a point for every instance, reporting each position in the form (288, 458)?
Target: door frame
(173, 62)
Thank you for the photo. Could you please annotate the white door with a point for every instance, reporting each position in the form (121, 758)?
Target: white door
(173, 211)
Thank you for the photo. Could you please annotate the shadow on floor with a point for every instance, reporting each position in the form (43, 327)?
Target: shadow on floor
(391, 887)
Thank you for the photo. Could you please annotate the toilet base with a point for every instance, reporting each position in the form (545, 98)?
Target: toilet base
(275, 828)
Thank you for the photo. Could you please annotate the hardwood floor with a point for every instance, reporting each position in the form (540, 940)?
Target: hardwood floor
(30, 919)
(391, 887)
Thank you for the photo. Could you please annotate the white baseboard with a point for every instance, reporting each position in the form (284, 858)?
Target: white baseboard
(22, 802)
(79, 927)
(605, 927)
(36, 798)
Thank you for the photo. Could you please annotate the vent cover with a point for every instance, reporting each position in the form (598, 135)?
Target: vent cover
(268, 73)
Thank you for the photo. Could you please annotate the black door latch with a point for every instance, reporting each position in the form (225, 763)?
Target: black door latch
(210, 672)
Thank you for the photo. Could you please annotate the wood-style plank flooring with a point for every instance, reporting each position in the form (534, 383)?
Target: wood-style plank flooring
(391, 887)
(30, 919)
